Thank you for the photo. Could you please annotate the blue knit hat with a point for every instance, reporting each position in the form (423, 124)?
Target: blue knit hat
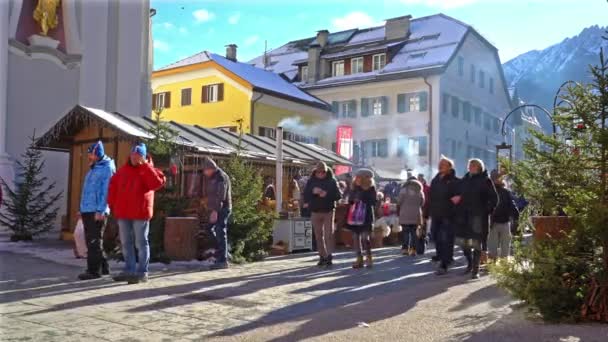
(97, 149)
(140, 149)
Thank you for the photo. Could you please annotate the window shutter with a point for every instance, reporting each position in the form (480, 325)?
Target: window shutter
(364, 107)
(204, 98)
(168, 99)
(422, 146)
(383, 148)
(352, 109)
(220, 92)
(335, 107)
(384, 100)
(154, 97)
(423, 101)
(401, 103)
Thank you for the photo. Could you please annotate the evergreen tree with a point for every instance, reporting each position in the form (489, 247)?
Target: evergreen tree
(32, 207)
(163, 141)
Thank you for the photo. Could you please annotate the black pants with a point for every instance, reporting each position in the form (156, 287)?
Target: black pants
(93, 232)
(444, 243)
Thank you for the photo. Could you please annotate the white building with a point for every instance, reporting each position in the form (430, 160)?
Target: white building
(413, 89)
(98, 55)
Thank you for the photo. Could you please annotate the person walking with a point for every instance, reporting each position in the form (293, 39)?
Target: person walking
(476, 202)
(506, 213)
(321, 194)
(362, 204)
(131, 200)
(409, 206)
(442, 199)
(94, 209)
(218, 191)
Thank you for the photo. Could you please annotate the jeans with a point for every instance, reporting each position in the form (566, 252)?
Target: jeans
(323, 226)
(134, 235)
(93, 232)
(409, 236)
(500, 236)
(220, 233)
(444, 245)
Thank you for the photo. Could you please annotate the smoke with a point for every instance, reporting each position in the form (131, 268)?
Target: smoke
(326, 129)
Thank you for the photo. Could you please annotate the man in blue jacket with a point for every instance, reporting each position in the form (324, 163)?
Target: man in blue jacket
(94, 209)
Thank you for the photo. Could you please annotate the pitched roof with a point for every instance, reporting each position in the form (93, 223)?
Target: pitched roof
(196, 139)
(432, 43)
(261, 80)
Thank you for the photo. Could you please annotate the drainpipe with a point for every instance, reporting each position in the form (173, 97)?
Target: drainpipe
(279, 171)
(430, 106)
(252, 111)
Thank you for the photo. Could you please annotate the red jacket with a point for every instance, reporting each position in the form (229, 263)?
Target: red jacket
(131, 193)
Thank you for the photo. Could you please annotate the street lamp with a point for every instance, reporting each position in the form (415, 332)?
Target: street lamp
(503, 147)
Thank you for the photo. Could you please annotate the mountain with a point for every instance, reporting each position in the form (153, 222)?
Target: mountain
(538, 74)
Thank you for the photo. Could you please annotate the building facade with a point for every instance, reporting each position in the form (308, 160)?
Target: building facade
(412, 89)
(216, 91)
(96, 54)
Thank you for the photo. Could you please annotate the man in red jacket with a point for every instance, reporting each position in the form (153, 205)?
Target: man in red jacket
(131, 201)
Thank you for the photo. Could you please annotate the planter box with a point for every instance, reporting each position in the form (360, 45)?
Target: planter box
(181, 238)
(550, 227)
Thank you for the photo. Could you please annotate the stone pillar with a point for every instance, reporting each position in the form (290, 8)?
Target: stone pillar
(6, 164)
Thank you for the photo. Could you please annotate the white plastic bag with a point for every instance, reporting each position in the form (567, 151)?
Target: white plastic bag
(80, 240)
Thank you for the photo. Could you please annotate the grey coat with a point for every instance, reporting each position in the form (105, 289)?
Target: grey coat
(411, 201)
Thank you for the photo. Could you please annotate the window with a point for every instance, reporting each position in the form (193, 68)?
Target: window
(496, 125)
(377, 106)
(213, 93)
(337, 68)
(161, 100)
(491, 85)
(482, 79)
(473, 73)
(418, 55)
(454, 149)
(376, 148)
(477, 111)
(379, 61)
(460, 66)
(374, 106)
(186, 97)
(232, 129)
(407, 146)
(445, 103)
(356, 65)
(487, 122)
(348, 109)
(466, 111)
(414, 103)
(267, 132)
(304, 76)
(455, 107)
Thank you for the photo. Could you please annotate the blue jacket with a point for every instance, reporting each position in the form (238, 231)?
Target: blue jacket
(95, 188)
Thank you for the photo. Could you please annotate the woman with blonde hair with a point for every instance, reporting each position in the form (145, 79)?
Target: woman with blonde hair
(362, 200)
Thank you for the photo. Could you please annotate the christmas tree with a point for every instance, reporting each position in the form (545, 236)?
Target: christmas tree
(31, 208)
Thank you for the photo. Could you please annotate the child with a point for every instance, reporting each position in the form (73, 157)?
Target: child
(411, 201)
(362, 197)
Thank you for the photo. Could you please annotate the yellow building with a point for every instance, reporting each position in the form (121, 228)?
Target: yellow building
(213, 91)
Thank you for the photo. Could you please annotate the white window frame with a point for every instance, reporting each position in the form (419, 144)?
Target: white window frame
(212, 92)
(304, 73)
(344, 107)
(356, 65)
(271, 132)
(414, 103)
(378, 61)
(160, 100)
(337, 68)
(377, 106)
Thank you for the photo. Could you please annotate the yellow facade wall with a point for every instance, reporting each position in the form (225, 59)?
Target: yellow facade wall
(236, 103)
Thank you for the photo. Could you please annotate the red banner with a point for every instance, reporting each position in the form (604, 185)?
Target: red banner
(344, 147)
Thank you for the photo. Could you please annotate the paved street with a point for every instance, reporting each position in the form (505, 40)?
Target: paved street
(282, 299)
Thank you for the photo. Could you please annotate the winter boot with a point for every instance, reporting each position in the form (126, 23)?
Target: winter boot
(329, 260)
(404, 251)
(88, 276)
(476, 261)
(469, 257)
(412, 251)
(359, 262)
(321, 261)
(369, 261)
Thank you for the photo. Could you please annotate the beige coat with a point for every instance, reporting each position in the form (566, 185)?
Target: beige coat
(411, 200)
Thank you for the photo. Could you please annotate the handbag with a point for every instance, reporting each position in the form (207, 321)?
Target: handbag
(356, 214)
(80, 243)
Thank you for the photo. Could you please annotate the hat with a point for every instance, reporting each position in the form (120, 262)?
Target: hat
(208, 163)
(97, 149)
(365, 173)
(321, 166)
(140, 149)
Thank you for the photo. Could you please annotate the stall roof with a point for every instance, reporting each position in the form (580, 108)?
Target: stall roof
(200, 140)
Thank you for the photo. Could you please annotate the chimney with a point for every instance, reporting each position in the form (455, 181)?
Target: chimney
(397, 28)
(231, 52)
(314, 58)
(322, 37)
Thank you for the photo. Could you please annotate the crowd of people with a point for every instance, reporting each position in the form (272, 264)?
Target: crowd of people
(476, 212)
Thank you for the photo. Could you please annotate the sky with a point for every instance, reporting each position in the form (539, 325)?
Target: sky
(184, 27)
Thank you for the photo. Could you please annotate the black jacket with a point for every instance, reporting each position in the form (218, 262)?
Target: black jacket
(442, 190)
(369, 197)
(478, 201)
(506, 208)
(316, 203)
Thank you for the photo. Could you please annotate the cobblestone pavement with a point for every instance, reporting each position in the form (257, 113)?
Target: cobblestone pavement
(282, 299)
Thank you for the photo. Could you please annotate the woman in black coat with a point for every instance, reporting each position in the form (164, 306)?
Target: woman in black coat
(363, 191)
(475, 204)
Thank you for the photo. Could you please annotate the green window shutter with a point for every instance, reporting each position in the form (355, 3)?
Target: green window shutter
(352, 108)
(335, 106)
(383, 148)
(422, 146)
(401, 98)
(423, 101)
(384, 100)
(364, 107)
